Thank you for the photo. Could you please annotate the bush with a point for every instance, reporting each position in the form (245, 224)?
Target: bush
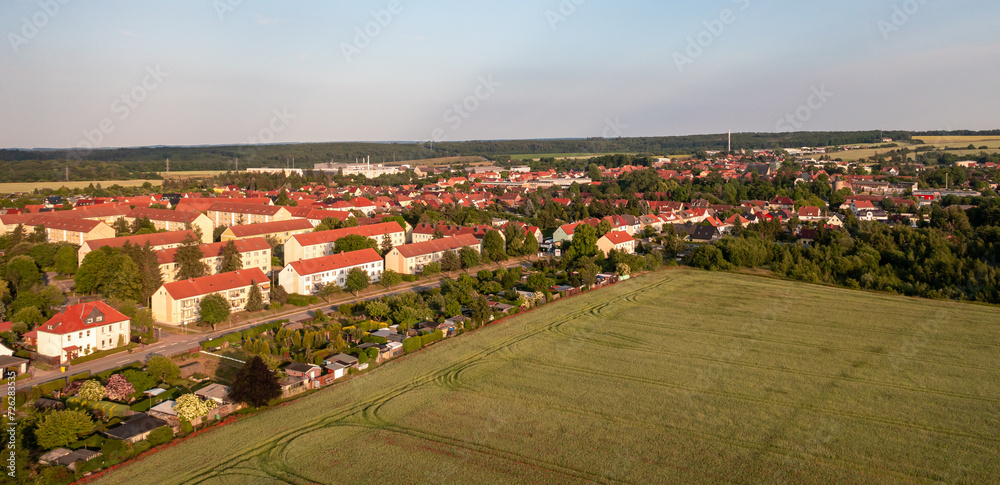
(413, 343)
(140, 447)
(49, 387)
(80, 377)
(160, 436)
(431, 337)
(186, 427)
(409, 278)
(113, 450)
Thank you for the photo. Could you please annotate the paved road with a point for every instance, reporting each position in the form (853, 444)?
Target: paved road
(176, 343)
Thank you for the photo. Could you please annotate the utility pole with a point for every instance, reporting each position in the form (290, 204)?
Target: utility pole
(168, 165)
(67, 172)
(237, 164)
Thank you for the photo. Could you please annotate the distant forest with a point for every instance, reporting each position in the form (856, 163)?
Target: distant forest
(144, 163)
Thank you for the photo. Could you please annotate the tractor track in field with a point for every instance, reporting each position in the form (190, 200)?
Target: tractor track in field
(215, 471)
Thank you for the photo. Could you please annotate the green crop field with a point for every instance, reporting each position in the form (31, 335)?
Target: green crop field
(677, 377)
(25, 187)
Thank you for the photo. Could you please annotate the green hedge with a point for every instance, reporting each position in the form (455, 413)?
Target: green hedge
(47, 388)
(79, 377)
(108, 373)
(302, 300)
(412, 343)
(409, 278)
(431, 337)
(103, 353)
(259, 329)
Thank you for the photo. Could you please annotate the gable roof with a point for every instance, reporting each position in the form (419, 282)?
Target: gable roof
(323, 237)
(213, 250)
(245, 208)
(437, 245)
(164, 215)
(618, 237)
(155, 240)
(73, 319)
(335, 262)
(251, 230)
(205, 285)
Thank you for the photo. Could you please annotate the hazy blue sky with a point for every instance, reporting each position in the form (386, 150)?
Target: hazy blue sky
(549, 68)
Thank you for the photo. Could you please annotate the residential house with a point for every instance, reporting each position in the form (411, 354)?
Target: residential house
(168, 220)
(239, 213)
(280, 231)
(307, 276)
(617, 240)
(317, 244)
(411, 258)
(177, 303)
(254, 253)
(60, 228)
(80, 330)
(157, 241)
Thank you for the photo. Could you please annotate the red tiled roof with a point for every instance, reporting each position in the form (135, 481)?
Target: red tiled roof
(244, 208)
(437, 245)
(335, 261)
(62, 223)
(251, 230)
(155, 240)
(618, 237)
(163, 215)
(180, 290)
(323, 237)
(72, 319)
(215, 249)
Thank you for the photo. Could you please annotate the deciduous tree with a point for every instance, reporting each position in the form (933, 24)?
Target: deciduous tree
(357, 280)
(255, 384)
(60, 428)
(213, 309)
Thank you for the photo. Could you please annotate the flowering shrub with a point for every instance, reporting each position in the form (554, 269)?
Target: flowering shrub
(91, 391)
(189, 407)
(119, 388)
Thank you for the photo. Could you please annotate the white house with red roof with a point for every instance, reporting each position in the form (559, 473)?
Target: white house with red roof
(617, 240)
(178, 303)
(411, 258)
(81, 330)
(307, 276)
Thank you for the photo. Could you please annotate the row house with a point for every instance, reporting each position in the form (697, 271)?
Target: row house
(59, 228)
(168, 220)
(254, 253)
(158, 241)
(317, 244)
(238, 214)
(307, 276)
(280, 231)
(411, 258)
(80, 330)
(426, 232)
(177, 303)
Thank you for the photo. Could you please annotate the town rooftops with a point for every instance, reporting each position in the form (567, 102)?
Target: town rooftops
(252, 230)
(135, 426)
(215, 249)
(63, 223)
(155, 240)
(324, 237)
(82, 316)
(180, 290)
(437, 245)
(163, 215)
(245, 208)
(335, 262)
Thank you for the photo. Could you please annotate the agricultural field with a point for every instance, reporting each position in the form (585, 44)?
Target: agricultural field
(443, 161)
(188, 175)
(677, 377)
(992, 142)
(567, 156)
(961, 141)
(24, 187)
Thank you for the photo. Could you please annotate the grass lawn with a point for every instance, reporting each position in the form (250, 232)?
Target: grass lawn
(678, 377)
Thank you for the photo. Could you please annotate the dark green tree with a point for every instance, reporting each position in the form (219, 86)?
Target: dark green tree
(450, 261)
(353, 242)
(469, 257)
(255, 300)
(213, 309)
(255, 384)
(232, 260)
(390, 278)
(357, 280)
(493, 247)
(189, 260)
